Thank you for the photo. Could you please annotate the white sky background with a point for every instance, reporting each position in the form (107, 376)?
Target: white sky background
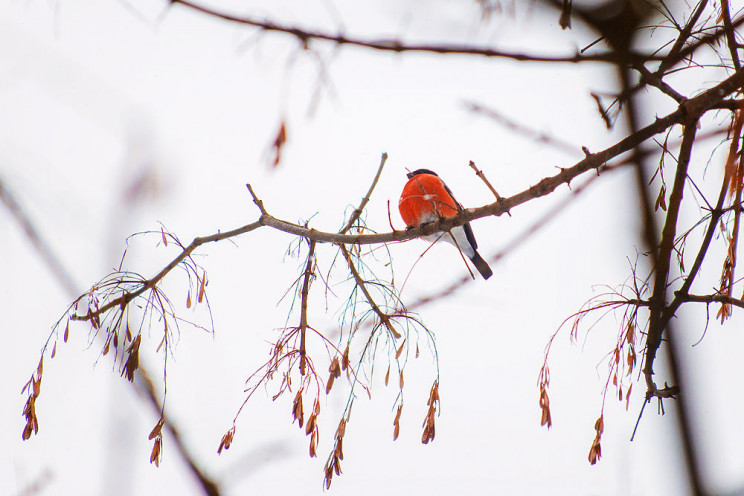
(93, 96)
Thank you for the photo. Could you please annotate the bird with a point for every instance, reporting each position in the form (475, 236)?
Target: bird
(426, 198)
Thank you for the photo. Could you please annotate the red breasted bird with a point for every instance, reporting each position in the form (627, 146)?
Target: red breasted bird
(425, 199)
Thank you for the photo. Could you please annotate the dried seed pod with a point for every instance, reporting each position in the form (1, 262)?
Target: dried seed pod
(200, 296)
(226, 440)
(130, 366)
(155, 454)
(345, 358)
(297, 412)
(156, 431)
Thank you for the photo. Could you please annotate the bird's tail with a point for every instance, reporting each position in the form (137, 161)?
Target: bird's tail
(481, 265)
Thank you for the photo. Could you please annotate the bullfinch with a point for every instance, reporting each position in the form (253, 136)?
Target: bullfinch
(425, 199)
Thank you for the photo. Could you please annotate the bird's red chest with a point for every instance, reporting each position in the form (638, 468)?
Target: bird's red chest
(425, 199)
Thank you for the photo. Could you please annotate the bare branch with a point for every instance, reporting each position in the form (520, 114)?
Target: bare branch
(396, 46)
(663, 259)
(362, 285)
(358, 211)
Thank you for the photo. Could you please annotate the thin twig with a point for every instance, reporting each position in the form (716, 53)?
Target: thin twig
(361, 284)
(396, 46)
(523, 130)
(690, 109)
(44, 249)
(663, 259)
(307, 279)
(358, 211)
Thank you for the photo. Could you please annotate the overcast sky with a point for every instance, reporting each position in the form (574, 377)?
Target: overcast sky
(98, 96)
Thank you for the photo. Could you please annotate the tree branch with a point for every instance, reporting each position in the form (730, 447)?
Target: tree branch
(362, 285)
(689, 110)
(663, 259)
(358, 211)
(396, 46)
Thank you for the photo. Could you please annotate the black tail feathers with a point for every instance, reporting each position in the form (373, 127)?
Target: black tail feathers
(481, 265)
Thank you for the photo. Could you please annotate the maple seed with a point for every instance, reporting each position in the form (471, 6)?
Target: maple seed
(335, 370)
(396, 423)
(226, 440)
(279, 141)
(595, 452)
(200, 297)
(157, 429)
(345, 358)
(545, 407)
(310, 424)
(132, 360)
(155, 455)
(297, 413)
